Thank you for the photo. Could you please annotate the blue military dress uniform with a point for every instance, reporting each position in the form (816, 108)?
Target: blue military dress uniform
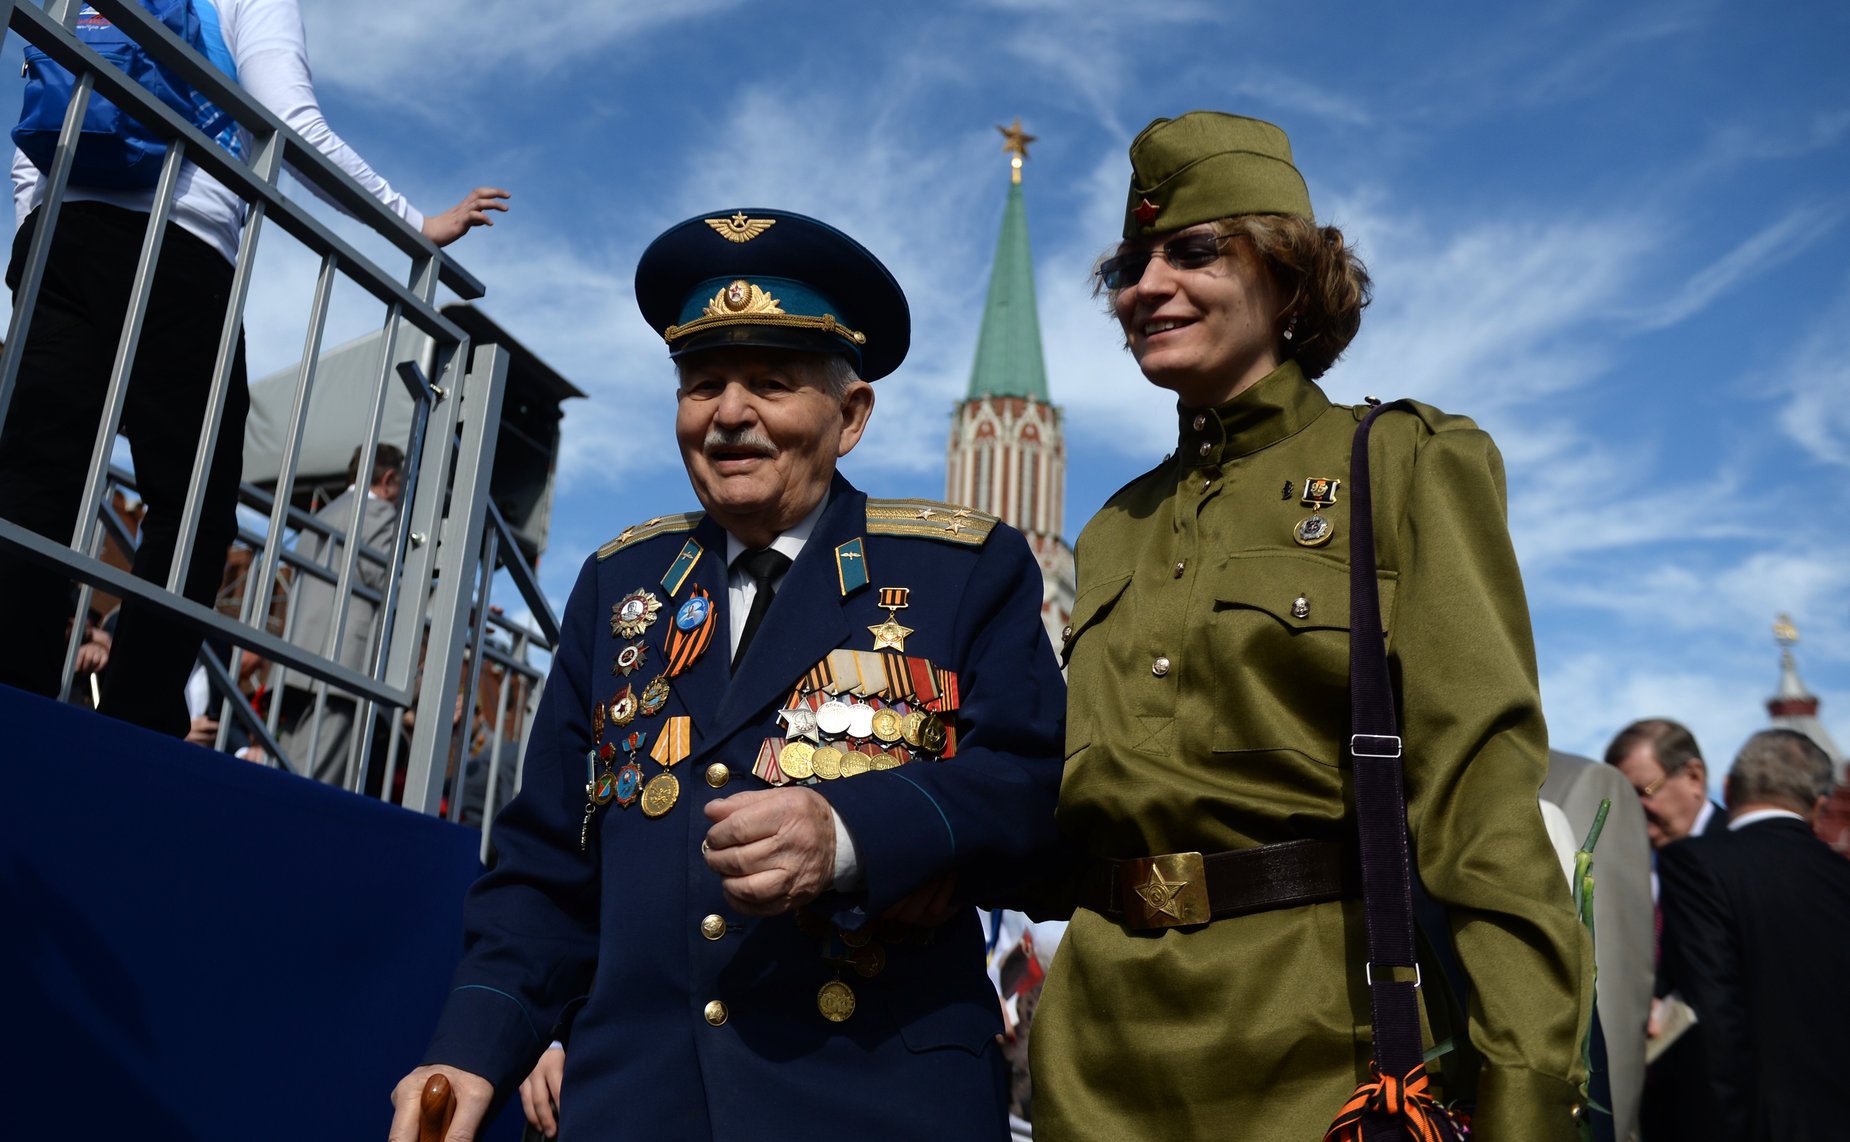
(699, 1022)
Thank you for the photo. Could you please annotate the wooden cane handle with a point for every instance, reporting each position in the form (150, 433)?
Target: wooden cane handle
(435, 1109)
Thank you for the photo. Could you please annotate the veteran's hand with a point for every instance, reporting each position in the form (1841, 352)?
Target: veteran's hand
(472, 1092)
(774, 849)
(539, 1095)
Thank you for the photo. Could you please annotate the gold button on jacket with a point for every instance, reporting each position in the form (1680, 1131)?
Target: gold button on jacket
(1265, 1017)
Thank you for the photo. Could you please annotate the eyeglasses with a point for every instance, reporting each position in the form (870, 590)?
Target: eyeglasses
(1650, 790)
(1189, 252)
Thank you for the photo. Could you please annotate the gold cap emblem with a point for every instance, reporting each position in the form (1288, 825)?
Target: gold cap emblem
(739, 228)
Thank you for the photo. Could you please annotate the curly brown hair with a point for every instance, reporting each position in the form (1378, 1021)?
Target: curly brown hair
(1323, 281)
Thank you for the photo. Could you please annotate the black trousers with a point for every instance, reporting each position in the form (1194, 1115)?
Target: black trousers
(51, 427)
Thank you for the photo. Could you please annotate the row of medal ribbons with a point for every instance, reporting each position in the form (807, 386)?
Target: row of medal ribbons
(843, 735)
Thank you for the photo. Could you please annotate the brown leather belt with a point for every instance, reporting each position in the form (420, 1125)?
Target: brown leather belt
(1176, 890)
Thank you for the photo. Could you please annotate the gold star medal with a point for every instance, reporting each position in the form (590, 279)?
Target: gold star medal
(890, 635)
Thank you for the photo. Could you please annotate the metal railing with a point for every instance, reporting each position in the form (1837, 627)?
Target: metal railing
(435, 611)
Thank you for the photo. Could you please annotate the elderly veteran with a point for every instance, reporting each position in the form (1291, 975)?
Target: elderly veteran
(1208, 663)
(780, 739)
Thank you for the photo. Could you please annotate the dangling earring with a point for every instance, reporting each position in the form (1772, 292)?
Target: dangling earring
(1291, 328)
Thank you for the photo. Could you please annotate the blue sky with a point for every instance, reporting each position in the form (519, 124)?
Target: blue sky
(1617, 235)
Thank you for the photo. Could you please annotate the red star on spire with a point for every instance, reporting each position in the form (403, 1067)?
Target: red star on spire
(1146, 212)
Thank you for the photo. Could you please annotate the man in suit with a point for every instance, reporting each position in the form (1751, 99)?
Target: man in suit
(1662, 761)
(1757, 937)
(1624, 944)
(319, 748)
(1664, 765)
(786, 742)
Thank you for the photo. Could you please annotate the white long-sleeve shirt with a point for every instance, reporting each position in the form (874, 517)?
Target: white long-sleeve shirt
(267, 50)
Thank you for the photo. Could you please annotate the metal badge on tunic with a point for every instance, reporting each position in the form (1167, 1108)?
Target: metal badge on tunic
(628, 784)
(654, 697)
(629, 659)
(633, 613)
(623, 707)
(1315, 530)
(835, 1001)
(827, 762)
(660, 794)
(797, 760)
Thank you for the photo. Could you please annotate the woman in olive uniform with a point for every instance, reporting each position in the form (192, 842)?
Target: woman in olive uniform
(1208, 670)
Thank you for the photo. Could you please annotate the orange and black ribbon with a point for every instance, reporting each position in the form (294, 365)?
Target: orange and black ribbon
(686, 646)
(1406, 1100)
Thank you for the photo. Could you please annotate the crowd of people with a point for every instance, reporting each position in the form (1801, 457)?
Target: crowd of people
(794, 744)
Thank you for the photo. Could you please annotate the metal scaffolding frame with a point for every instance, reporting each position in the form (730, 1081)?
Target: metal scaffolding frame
(449, 539)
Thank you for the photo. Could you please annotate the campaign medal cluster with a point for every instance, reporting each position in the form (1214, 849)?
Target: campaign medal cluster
(613, 769)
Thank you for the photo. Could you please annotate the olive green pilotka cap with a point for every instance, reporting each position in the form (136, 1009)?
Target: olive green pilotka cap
(1207, 165)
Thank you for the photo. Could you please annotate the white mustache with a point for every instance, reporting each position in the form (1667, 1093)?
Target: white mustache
(746, 438)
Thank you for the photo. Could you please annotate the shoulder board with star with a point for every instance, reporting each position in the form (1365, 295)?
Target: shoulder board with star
(649, 529)
(929, 519)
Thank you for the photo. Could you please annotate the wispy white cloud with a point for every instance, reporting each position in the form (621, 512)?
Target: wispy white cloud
(1813, 382)
(1781, 240)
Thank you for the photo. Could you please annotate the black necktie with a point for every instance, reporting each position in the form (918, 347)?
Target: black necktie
(765, 565)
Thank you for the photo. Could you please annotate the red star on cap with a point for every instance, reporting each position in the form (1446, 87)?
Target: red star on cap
(1146, 212)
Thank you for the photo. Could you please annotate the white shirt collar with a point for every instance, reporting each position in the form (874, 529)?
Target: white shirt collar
(791, 542)
(1702, 818)
(1759, 815)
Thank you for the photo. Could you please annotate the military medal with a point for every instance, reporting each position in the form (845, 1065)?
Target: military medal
(1315, 530)
(623, 707)
(796, 759)
(660, 794)
(835, 1001)
(834, 717)
(629, 777)
(910, 728)
(932, 735)
(629, 659)
(890, 635)
(854, 763)
(799, 722)
(827, 762)
(860, 720)
(604, 789)
(692, 633)
(886, 725)
(633, 613)
(600, 787)
(654, 697)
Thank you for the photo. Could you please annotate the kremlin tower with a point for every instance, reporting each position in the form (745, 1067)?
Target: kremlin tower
(1007, 455)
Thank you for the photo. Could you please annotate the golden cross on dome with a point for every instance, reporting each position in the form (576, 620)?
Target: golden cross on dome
(1784, 632)
(1016, 145)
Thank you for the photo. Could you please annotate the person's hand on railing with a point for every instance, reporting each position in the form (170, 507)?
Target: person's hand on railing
(471, 212)
(439, 1104)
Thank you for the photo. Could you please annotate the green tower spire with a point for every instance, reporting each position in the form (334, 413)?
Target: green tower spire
(1008, 350)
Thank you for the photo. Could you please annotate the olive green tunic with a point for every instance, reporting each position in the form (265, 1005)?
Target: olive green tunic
(1257, 1027)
